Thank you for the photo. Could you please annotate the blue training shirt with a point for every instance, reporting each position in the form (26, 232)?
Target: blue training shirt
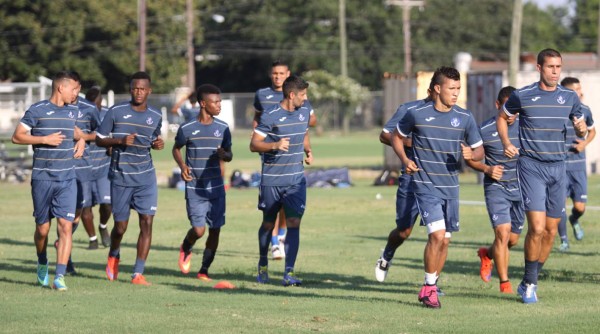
(281, 168)
(508, 185)
(201, 142)
(131, 165)
(87, 121)
(100, 161)
(52, 163)
(436, 139)
(391, 124)
(544, 119)
(576, 160)
(266, 98)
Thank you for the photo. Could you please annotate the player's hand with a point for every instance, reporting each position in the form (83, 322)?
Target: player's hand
(467, 152)
(54, 139)
(223, 154)
(579, 146)
(77, 133)
(186, 173)
(309, 158)
(283, 144)
(495, 172)
(579, 125)
(411, 167)
(79, 148)
(129, 139)
(511, 151)
(158, 143)
(109, 151)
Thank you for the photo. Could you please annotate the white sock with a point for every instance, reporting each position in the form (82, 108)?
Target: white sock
(430, 278)
(102, 226)
(94, 238)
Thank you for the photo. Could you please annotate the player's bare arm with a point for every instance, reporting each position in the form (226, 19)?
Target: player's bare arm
(186, 174)
(502, 125)
(258, 144)
(398, 146)
(22, 136)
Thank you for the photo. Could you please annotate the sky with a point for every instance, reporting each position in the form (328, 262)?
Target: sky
(545, 3)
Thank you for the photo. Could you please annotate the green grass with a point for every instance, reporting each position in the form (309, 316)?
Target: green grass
(342, 235)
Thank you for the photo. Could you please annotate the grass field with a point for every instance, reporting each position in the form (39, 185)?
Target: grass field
(342, 235)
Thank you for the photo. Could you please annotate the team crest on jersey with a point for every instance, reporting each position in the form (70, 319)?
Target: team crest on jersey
(495, 217)
(455, 122)
(71, 115)
(301, 118)
(425, 214)
(561, 100)
(79, 114)
(217, 133)
(149, 121)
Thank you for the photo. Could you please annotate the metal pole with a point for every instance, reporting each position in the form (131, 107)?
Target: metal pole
(142, 33)
(515, 43)
(343, 40)
(406, 6)
(191, 67)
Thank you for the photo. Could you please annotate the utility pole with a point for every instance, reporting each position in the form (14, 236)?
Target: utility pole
(343, 40)
(406, 6)
(142, 33)
(515, 43)
(191, 67)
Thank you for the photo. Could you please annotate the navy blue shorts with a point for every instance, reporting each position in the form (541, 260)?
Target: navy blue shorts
(406, 205)
(543, 186)
(84, 194)
(577, 185)
(502, 210)
(101, 191)
(53, 199)
(202, 211)
(292, 198)
(142, 199)
(433, 209)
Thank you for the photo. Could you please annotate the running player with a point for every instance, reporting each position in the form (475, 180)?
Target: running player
(438, 130)
(49, 126)
(576, 169)
(207, 142)
(132, 128)
(282, 137)
(545, 109)
(264, 99)
(188, 106)
(502, 196)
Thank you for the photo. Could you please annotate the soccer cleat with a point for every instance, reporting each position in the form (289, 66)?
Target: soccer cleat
(277, 252)
(93, 245)
(529, 293)
(112, 268)
(577, 231)
(263, 274)
(429, 297)
(439, 291)
(104, 236)
(204, 277)
(289, 279)
(185, 261)
(42, 274)
(381, 269)
(139, 279)
(506, 287)
(564, 247)
(485, 269)
(59, 283)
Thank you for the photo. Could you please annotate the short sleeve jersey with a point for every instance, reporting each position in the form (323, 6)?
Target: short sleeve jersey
(87, 121)
(391, 124)
(201, 142)
(131, 165)
(190, 113)
(508, 185)
(436, 139)
(544, 119)
(576, 160)
(266, 98)
(100, 161)
(281, 168)
(52, 163)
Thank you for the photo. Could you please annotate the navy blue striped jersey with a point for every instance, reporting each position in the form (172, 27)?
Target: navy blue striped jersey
(266, 98)
(201, 142)
(436, 139)
(100, 161)
(494, 155)
(391, 124)
(87, 121)
(281, 168)
(131, 165)
(52, 163)
(190, 113)
(576, 160)
(544, 119)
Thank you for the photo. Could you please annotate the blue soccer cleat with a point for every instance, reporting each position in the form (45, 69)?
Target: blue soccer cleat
(577, 231)
(42, 274)
(528, 293)
(290, 279)
(263, 274)
(59, 283)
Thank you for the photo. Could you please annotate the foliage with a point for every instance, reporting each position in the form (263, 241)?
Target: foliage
(326, 86)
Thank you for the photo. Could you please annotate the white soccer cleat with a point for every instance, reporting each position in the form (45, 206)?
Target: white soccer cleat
(277, 252)
(381, 269)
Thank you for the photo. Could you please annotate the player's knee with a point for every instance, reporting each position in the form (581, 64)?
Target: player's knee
(293, 222)
(198, 231)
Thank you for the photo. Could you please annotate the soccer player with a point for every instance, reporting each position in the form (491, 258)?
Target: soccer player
(438, 130)
(189, 112)
(49, 126)
(100, 184)
(545, 111)
(207, 142)
(576, 169)
(132, 128)
(266, 98)
(502, 195)
(282, 137)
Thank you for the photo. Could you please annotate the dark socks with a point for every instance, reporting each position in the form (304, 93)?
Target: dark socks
(575, 215)
(264, 236)
(186, 246)
(61, 269)
(207, 259)
(42, 257)
(139, 265)
(292, 243)
(531, 268)
(562, 228)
